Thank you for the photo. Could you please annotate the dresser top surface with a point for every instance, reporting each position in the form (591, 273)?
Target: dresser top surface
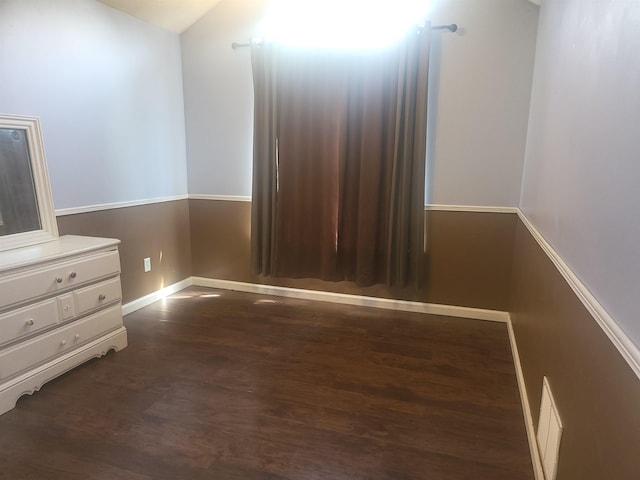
(59, 248)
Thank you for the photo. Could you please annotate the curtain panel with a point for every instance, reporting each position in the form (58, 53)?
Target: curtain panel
(339, 162)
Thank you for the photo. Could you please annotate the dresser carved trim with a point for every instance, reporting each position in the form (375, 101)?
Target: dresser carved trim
(60, 305)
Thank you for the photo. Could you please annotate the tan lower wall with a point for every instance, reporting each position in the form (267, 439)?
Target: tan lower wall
(159, 231)
(470, 255)
(597, 393)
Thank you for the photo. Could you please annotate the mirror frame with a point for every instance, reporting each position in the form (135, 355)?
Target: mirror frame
(48, 223)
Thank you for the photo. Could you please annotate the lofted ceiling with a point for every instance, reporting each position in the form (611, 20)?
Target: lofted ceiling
(174, 15)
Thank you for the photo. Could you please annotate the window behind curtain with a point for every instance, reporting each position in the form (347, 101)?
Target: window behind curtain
(339, 153)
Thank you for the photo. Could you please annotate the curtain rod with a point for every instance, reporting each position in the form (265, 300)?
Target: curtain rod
(452, 28)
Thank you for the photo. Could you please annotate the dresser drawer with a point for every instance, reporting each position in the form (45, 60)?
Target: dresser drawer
(95, 296)
(27, 320)
(53, 278)
(40, 349)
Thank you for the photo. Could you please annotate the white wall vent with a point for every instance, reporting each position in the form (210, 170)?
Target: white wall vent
(549, 432)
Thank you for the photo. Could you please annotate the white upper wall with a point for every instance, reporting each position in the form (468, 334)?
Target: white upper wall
(108, 90)
(218, 97)
(582, 170)
(480, 92)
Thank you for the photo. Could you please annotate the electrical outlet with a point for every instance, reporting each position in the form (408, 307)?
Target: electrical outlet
(147, 264)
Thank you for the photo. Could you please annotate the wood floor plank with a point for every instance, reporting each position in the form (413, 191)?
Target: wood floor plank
(228, 385)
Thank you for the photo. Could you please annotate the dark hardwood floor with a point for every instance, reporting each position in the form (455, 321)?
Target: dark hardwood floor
(226, 385)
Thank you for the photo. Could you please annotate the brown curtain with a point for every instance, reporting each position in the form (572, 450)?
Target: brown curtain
(265, 165)
(339, 154)
(406, 232)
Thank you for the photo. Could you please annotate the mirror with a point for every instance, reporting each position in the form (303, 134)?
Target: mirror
(18, 204)
(26, 207)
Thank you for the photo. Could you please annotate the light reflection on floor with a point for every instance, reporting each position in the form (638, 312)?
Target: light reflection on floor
(263, 302)
(188, 295)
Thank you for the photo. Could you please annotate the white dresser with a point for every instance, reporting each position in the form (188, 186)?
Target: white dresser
(60, 305)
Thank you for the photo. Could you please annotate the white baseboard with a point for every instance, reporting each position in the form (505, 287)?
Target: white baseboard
(346, 299)
(342, 298)
(155, 296)
(526, 409)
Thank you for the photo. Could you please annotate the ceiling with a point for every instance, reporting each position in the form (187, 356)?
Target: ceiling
(174, 15)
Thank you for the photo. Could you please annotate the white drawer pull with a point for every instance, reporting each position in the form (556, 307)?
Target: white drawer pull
(29, 322)
(102, 297)
(77, 336)
(73, 275)
(59, 279)
(63, 343)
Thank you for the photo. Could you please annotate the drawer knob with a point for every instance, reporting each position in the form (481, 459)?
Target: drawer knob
(73, 275)
(77, 336)
(102, 297)
(59, 279)
(63, 342)
(29, 322)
